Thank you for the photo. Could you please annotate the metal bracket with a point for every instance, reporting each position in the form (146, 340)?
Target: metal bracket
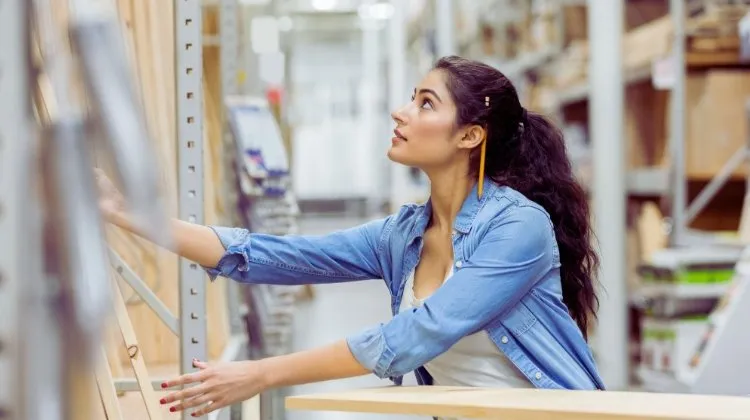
(142, 289)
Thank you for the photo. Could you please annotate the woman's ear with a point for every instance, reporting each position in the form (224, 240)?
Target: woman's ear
(473, 137)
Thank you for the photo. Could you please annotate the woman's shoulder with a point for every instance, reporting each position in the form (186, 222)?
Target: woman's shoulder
(513, 201)
(509, 207)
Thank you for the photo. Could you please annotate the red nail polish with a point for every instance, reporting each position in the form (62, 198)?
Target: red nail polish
(164, 385)
(172, 409)
(163, 401)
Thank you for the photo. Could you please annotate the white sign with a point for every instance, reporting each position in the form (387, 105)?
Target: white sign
(663, 73)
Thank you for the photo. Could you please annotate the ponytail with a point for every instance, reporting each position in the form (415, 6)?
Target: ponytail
(526, 152)
(542, 172)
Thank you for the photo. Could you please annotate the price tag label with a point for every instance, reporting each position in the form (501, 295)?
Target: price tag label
(663, 73)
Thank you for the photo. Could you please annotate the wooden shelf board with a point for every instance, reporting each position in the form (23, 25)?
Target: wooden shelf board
(695, 61)
(526, 404)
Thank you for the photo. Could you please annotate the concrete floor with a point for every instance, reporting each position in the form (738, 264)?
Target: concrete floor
(335, 312)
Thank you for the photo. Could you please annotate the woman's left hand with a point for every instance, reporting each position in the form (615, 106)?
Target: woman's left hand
(218, 385)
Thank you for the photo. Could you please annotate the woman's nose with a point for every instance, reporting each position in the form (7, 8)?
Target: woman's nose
(398, 116)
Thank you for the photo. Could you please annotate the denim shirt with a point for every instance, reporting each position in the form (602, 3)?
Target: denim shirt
(506, 281)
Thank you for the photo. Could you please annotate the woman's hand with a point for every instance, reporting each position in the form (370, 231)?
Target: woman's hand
(111, 201)
(218, 385)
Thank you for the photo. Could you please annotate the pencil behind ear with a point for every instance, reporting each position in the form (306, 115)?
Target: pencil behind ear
(480, 181)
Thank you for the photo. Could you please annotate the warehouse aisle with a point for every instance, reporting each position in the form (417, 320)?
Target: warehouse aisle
(336, 311)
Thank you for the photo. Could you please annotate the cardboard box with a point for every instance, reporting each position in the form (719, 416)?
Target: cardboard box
(717, 123)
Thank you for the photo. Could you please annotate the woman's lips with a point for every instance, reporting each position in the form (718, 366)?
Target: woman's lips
(398, 135)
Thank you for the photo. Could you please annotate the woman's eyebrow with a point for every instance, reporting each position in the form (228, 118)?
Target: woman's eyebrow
(432, 92)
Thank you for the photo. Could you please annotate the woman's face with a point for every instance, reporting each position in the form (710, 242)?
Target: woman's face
(425, 134)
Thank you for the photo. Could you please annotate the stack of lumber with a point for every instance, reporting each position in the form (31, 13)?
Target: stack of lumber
(149, 35)
(571, 66)
(713, 39)
(713, 32)
(151, 40)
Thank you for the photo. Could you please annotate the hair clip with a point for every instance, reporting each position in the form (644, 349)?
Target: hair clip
(487, 101)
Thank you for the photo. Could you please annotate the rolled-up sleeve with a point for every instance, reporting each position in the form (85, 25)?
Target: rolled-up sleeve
(346, 255)
(514, 254)
(235, 258)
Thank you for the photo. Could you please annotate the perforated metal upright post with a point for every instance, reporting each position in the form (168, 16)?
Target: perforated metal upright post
(189, 74)
(14, 141)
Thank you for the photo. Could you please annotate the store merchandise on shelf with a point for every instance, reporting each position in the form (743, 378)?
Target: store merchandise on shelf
(693, 338)
(266, 204)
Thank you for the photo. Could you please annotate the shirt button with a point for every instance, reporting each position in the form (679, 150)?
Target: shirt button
(459, 263)
(504, 339)
(538, 375)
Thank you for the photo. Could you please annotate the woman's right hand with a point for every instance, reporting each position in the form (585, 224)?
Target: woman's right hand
(111, 201)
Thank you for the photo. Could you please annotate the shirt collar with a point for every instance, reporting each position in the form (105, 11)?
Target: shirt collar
(466, 215)
(472, 205)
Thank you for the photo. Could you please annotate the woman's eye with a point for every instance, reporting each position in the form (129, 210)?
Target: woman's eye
(427, 104)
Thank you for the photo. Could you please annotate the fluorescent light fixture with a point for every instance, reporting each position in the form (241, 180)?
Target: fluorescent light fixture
(323, 4)
(376, 11)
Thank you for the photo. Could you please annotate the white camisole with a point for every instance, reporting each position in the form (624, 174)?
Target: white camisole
(473, 361)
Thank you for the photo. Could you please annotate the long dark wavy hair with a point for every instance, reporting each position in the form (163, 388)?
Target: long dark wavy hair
(527, 152)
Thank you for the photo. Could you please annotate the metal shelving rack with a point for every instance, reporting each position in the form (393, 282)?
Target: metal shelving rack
(15, 156)
(190, 324)
(14, 147)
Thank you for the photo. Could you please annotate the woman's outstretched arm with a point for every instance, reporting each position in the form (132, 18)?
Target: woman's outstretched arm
(346, 255)
(222, 384)
(197, 243)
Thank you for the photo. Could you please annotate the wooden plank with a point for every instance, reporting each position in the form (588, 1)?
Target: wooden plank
(712, 59)
(105, 384)
(715, 43)
(135, 354)
(149, 30)
(527, 404)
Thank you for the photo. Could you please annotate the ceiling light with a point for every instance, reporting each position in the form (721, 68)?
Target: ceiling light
(377, 11)
(323, 4)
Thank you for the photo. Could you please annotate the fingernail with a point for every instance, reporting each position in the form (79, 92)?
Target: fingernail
(194, 415)
(163, 384)
(172, 409)
(163, 401)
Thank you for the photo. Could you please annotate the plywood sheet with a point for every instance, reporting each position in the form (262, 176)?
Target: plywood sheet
(526, 404)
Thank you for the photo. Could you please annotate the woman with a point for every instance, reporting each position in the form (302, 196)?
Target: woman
(491, 280)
